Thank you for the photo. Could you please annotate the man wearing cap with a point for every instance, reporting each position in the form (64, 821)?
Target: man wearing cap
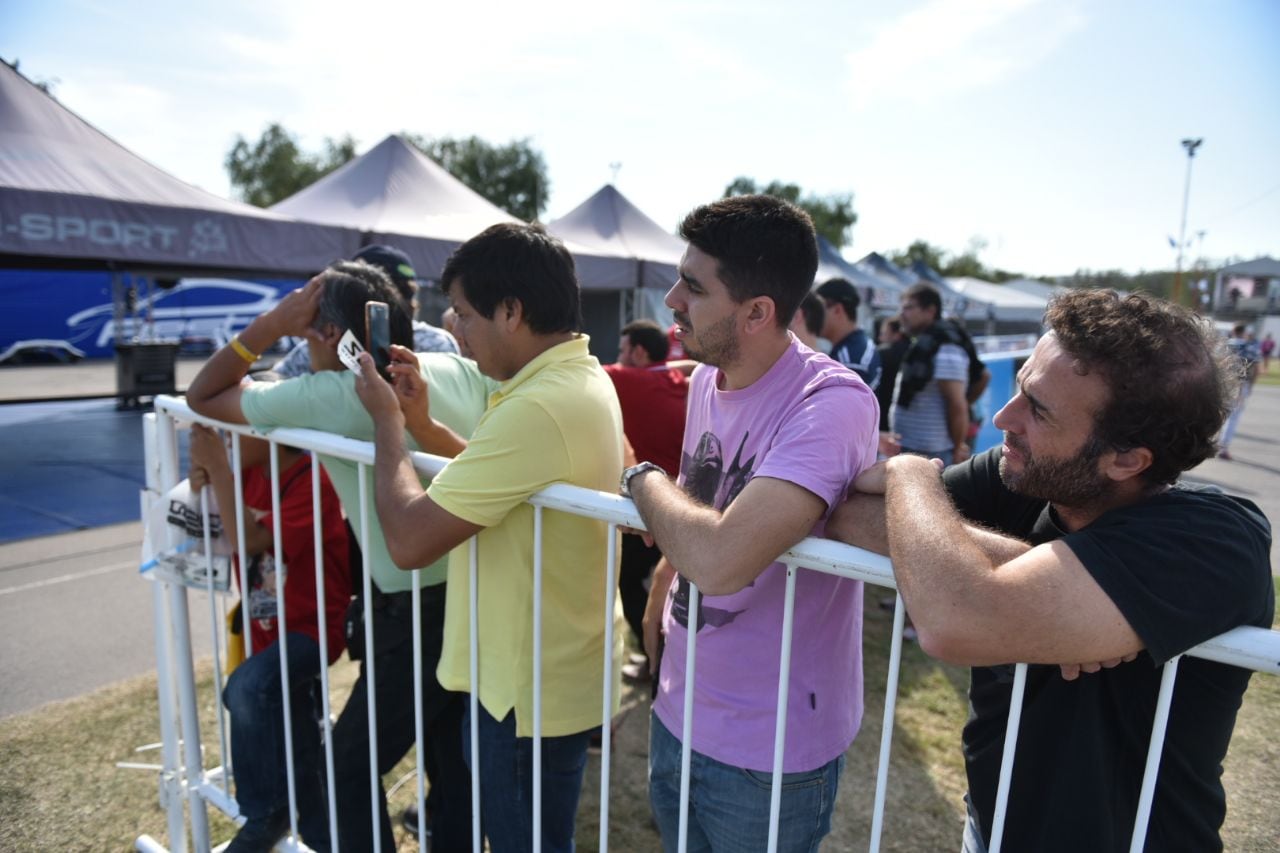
(397, 266)
(849, 345)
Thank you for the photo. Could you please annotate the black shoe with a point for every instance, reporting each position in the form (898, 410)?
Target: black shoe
(410, 822)
(260, 834)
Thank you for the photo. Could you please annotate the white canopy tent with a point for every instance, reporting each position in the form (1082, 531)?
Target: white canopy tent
(997, 302)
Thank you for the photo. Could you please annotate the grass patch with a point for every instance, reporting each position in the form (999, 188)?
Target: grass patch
(60, 788)
(1272, 377)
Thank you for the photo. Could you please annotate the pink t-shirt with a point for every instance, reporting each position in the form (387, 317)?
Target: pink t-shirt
(810, 421)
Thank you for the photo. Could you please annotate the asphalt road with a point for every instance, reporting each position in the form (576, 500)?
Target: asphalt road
(75, 615)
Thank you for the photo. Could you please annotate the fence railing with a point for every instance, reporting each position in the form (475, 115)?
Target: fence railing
(187, 782)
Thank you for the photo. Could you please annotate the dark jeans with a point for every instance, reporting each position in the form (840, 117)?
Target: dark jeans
(506, 784)
(449, 800)
(255, 703)
(729, 806)
(638, 560)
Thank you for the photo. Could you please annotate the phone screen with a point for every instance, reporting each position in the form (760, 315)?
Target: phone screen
(377, 320)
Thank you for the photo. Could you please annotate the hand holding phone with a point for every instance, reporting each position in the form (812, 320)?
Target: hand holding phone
(377, 321)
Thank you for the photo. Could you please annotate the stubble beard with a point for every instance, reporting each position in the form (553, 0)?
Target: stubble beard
(717, 345)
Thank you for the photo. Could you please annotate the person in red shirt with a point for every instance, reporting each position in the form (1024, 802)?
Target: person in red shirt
(253, 694)
(652, 395)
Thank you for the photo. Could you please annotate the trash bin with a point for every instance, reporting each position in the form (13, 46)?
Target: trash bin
(145, 370)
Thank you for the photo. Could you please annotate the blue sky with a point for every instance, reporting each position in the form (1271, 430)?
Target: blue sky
(1049, 130)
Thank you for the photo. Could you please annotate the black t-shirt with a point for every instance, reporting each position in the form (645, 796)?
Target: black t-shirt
(1183, 567)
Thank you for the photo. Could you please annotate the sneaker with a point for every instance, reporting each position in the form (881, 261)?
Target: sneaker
(260, 834)
(410, 823)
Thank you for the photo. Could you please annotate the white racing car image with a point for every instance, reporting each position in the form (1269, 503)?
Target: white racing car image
(199, 313)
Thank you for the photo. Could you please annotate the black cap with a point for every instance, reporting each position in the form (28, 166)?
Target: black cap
(842, 291)
(393, 262)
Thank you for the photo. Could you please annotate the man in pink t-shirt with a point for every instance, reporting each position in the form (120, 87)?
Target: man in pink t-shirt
(774, 435)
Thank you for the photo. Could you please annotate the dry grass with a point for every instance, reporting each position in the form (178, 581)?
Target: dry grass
(60, 788)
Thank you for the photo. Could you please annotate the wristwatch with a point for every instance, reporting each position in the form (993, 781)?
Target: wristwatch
(624, 485)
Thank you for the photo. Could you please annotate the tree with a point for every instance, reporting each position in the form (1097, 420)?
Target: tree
(964, 265)
(274, 167)
(934, 257)
(512, 176)
(833, 215)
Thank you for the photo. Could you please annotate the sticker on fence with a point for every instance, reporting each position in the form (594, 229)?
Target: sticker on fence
(173, 545)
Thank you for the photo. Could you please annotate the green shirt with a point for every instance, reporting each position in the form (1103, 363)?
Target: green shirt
(327, 401)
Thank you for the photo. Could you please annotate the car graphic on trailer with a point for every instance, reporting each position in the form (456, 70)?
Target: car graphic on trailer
(199, 311)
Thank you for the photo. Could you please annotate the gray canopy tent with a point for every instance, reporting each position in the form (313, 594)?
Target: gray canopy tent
(71, 196)
(644, 259)
(73, 200)
(393, 193)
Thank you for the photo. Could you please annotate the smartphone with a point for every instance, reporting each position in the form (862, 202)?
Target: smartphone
(377, 339)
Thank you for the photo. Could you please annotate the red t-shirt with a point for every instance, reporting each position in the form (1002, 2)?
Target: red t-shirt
(653, 406)
(298, 549)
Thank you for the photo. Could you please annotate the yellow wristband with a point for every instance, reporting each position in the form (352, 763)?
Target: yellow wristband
(242, 350)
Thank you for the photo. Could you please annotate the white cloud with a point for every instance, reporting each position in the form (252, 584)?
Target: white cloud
(949, 46)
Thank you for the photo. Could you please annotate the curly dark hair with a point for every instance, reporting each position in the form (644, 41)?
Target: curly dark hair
(1171, 379)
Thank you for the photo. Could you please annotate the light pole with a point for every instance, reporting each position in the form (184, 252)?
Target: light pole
(1191, 145)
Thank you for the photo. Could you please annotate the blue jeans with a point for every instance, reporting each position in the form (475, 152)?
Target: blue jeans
(972, 842)
(729, 806)
(506, 783)
(255, 702)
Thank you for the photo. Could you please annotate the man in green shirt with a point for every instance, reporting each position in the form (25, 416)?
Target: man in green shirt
(322, 312)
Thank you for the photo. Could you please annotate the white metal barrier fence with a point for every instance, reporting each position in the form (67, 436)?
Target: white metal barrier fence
(186, 781)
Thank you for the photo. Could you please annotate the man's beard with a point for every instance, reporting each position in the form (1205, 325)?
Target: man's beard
(716, 345)
(1073, 481)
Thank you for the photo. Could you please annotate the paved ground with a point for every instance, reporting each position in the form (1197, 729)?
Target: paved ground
(73, 464)
(75, 615)
(92, 377)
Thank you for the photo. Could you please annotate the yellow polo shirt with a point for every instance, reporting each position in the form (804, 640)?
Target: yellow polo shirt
(556, 421)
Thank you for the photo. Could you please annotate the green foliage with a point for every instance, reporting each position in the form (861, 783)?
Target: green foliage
(512, 176)
(833, 215)
(1159, 283)
(967, 264)
(274, 167)
(932, 256)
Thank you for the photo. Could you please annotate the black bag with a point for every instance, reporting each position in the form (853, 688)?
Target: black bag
(353, 622)
(353, 627)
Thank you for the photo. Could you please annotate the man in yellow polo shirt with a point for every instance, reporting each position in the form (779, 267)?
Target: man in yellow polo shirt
(554, 419)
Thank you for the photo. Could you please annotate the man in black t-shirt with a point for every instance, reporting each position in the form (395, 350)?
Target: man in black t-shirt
(1072, 548)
